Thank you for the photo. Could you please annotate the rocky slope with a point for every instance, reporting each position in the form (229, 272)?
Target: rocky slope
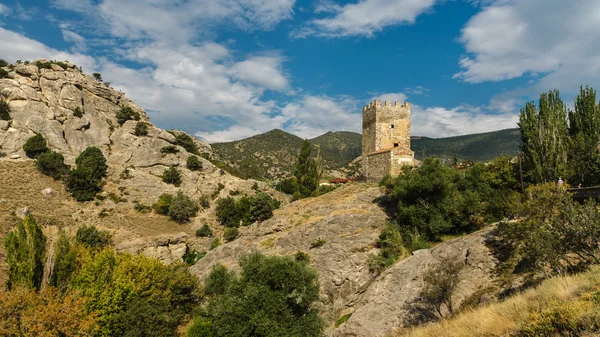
(43, 97)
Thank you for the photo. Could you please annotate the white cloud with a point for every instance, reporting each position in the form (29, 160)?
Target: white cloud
(262, 70)
(4, 10)
(74, 38)
(557, 39)
(364, 18)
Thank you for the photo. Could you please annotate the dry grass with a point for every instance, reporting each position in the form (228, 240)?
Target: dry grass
(573, 298)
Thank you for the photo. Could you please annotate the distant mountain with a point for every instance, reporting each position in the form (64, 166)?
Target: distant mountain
(273, 155)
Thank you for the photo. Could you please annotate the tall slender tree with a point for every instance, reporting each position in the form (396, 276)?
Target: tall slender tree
(306, 171)
(584, 129)
(25, 253)
(545, 138)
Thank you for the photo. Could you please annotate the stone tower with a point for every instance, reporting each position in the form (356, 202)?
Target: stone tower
(385, 139)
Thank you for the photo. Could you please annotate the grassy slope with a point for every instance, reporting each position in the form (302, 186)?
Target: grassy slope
(570, 302)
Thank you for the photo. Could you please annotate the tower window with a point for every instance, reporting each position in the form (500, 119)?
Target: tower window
(391, 126)
(395, 144)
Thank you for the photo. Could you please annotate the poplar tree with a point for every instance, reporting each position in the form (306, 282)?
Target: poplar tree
(25, 254)
(545, 138)
(584, 129)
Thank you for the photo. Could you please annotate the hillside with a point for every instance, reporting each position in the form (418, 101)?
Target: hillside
(272, 155)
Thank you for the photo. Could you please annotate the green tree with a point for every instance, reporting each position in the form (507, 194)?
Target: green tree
(227, 213)
(91, 238)
(193, 163)
(64, 263)
(182, 208)
(25, 253)
(52, 164)
(584, 129)
(544, 137)
(306, 171)
(92, 159)
(440, 282)
(273, 296)
(141, 129)
(4, 110)
(126, 114)
(84, 182)
(35, 146)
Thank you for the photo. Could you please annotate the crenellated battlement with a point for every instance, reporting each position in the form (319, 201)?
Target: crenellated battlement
(377, 104)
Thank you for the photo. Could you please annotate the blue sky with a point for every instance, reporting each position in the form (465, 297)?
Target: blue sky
(229, 69)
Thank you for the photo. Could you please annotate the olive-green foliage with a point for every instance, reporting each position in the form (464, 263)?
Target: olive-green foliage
(390, 245)
(97, 76)
(182, 208)
(186, 141)
(3, 63)
(125, 114)
(215, 243)
(3, 73)
(301, 257)
(64, 263)
(191, 256)
(318, 243)
(544, 136)
(246, 210)
(551, 231)
(91, 238)
(25, 253)
(204, 201)
(4, 110)
(306, 172)
(135, 295)
(440, 281)
(84, 182)
(288, 186)
(193, 163)
(141, 129)
(178, 207)
(230, 234)
(35, 146)
(584, 132)
(201, 328)
(169, 149)
(273, 296)
(52, 164)
(204, 231)
(433, 200)
(218, 281)
(78, 112)
(172, 176)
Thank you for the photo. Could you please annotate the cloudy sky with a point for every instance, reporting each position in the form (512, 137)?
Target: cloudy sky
(229, 69)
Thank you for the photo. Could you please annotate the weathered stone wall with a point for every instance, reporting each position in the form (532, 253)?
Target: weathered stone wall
(378, 165)
(399, 158)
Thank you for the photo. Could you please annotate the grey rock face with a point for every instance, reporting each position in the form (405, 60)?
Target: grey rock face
(21, 213)
(48, 192)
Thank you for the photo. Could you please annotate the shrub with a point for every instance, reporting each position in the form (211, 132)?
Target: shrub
(172, 176)
(187, 142)
(193, 163)
(142, 208)
(141, 129)
(230, 234)
(262, 207)
(78, 112)
(163, 203)
(43, 65)
(4, 110)
(182, 208)
(35, 146)
(52, 164)
(247, 210)
(90, 237)
(318, 242)
(125, 174)
(265, 282)
(3, 63)
(125, 114)
(97, 77)
(204, 231)
(191, 256)
(215, 243)
(204, 201)
(169, 149)
(227, 213)
(440, 282)
(25, 254)
(301, 257)
(288, 186)
(377, 264)
(84, 182)
(3, 73)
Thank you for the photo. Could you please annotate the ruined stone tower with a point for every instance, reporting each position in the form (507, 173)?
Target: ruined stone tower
(385, 139)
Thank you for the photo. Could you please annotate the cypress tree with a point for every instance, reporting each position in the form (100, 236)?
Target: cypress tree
(306, 171)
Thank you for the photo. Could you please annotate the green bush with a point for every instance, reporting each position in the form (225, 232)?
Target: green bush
(215, 243)
(377, 264)
(246, 210)
(301, 257)
(25, 254)
(318, 243)
(125, 114)
(204, 231)
(52, 164)
(84, 182)
(3, 63)
(78, 112)
(142, 208)
(35, 146)
(169, 149)
(191, 256)
(288, 186)
(440, 282)
(186, 141)
(141, 129)
(97, 77)
(4, 110)
(227, 213)
(90, 237)
(193, 163)
(204, 201)
(163, 203)
(244, 305)
(182, 208)
(172, 176)
(230, 234)
(3, 73)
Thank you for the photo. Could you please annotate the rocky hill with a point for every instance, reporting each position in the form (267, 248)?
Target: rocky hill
(272, 155)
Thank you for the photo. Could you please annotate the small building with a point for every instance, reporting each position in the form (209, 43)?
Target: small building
(385, 139)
